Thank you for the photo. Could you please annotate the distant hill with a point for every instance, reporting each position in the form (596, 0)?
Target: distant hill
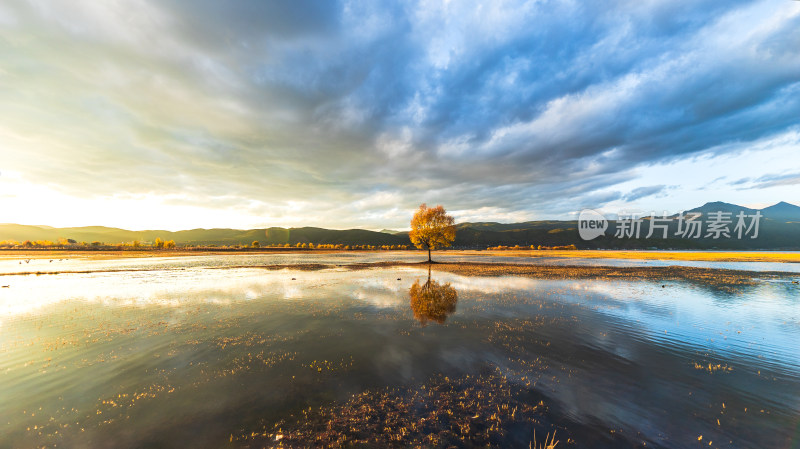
(217, 236)
(719, 206)
(782, 211)
(779, 229)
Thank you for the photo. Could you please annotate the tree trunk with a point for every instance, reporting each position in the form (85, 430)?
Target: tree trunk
(429, 254)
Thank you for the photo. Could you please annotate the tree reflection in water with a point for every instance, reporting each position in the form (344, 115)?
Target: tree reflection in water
(432, 301)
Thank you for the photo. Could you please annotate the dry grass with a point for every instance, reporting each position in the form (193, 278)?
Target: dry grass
(714, 276)
(710, 256)
(706, 275)
(468, 411)
(547, 444)
(711, 368)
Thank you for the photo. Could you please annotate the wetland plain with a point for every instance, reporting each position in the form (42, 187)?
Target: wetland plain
(340, 349)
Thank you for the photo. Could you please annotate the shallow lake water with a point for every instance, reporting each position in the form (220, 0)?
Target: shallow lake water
(244, 357)
(86, 262)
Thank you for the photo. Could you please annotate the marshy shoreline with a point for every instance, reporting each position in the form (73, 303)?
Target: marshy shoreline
(560, 272)
(717, 276)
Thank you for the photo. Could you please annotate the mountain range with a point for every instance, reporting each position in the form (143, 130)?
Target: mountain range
(779, 229)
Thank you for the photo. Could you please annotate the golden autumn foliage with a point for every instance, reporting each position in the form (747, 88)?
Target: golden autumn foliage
(432, 301)
(532, 247)
(432, 228)
(356, 247)
(159, 244)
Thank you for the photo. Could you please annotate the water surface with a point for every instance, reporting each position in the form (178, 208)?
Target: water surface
(87, 262)
(196, 357)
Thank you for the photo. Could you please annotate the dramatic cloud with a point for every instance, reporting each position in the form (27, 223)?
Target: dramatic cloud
(643, 192)
(352, 113)
(788, 179)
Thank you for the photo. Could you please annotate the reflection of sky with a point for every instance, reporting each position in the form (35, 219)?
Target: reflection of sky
(759, 323)
(31, 293)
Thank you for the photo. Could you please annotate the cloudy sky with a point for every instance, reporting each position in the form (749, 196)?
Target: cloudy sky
(184, 114)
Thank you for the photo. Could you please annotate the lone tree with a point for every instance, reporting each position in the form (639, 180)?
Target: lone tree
(432, 228)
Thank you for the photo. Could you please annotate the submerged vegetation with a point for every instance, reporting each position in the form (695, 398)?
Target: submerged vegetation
(484, 410)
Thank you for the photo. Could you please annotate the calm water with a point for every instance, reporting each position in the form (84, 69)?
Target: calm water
(82, 263)
(242, 357)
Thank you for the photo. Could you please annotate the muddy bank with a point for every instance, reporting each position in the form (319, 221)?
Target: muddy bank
(711, 275)
(715, 276)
